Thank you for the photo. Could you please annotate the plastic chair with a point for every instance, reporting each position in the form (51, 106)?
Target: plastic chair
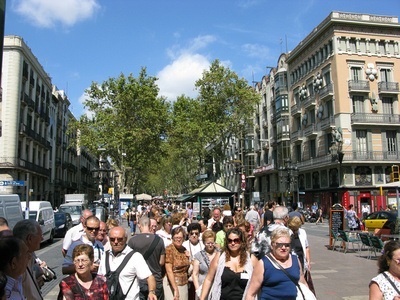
(336, 238)
(365, 240)
(377, 244)
(347, 239)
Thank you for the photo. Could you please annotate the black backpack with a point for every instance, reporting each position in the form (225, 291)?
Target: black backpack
(114, 288)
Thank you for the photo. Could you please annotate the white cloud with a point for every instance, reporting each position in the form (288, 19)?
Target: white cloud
(186, 68)
(48, 13)
(180, 76)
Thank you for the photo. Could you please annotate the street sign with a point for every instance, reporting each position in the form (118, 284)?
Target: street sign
(12, 183)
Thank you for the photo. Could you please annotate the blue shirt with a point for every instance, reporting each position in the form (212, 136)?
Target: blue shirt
(276, 284)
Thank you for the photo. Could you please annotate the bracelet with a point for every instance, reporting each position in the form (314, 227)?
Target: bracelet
(152, 291)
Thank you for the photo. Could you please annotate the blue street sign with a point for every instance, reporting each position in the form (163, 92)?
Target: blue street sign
(12, 183)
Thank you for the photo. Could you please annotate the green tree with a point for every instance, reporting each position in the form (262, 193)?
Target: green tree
(227, 106)
(128, 117)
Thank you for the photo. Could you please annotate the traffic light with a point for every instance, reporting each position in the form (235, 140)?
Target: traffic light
(395, 173)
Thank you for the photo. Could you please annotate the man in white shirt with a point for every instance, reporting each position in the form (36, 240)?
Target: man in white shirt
(76, 232)
(216, 217)
(136, 268)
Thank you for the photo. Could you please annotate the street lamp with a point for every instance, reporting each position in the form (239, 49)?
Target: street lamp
(289, 174)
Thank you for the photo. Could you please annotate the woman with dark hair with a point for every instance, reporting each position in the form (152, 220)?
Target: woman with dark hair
(387, 284)
(176, 265)
(230, 269)
(83, 284)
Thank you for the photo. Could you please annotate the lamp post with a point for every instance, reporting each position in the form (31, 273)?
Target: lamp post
(289, 174)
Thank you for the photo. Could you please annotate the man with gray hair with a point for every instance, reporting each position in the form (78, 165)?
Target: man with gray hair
(262, 243)
(30, 232)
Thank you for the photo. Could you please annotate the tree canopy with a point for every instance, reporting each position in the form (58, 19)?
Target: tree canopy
(165, 143)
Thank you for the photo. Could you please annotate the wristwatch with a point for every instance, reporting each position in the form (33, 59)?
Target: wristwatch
(152, 291)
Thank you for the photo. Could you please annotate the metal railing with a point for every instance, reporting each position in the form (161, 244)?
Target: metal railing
(392, 119)
(358, 85)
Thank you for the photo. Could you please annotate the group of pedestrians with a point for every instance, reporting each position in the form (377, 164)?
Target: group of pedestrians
(168, 255)
(22, 273)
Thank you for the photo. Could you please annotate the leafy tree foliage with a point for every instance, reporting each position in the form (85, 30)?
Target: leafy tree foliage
(128, 117)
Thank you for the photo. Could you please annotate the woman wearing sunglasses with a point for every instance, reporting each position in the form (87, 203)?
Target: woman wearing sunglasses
(230, 270)
(268, 276)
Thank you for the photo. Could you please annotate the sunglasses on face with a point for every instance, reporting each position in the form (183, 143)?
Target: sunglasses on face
(92, 228)
(194, 233)
(235, 241)
(116, 239)
(280, 245)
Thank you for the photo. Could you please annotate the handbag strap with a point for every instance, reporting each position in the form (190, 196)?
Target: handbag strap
(391, 282)
(151, 247)
(286, 273)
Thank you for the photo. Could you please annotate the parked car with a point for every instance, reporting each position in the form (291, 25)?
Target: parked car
(381, 220)
(63, 223)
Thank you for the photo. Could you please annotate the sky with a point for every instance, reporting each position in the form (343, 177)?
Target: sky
(83, 41)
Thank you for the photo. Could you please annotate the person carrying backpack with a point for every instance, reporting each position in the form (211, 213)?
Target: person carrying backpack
(124, 267)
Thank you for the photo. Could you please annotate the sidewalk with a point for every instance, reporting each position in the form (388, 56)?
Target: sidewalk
(337, 275)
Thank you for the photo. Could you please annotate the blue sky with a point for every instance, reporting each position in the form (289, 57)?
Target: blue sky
(80, 41)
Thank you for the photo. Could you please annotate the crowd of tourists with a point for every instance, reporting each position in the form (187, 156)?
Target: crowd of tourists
(162, 251)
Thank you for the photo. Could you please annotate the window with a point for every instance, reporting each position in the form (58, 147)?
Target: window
(361, 137)
(391, 141)
(386, 75)
(387, 105)
(355, 73)
(358, 104)
(298, 153)
(352, 44)
(313, 149)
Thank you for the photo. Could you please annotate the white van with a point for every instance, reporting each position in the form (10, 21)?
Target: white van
(42, 211)
(10, 209)
(74, 209)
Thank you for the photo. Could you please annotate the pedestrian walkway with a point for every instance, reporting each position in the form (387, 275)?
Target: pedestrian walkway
(337, 275)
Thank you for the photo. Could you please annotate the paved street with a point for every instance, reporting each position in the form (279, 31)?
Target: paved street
(336, 275)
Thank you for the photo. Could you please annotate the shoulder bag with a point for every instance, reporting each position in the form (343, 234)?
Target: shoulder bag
(306, 293)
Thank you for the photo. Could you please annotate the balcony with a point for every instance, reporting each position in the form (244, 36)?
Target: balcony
(358, 86)
(310, 130)
(310, 101)
(34, 168)
(295, 109)
(327, 123)
(388, 87)
(326, 91)
(386, 156)
(296, 136)
(373, 119)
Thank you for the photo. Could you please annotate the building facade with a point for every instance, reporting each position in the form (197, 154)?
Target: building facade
(331, 108)
(35, 157)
